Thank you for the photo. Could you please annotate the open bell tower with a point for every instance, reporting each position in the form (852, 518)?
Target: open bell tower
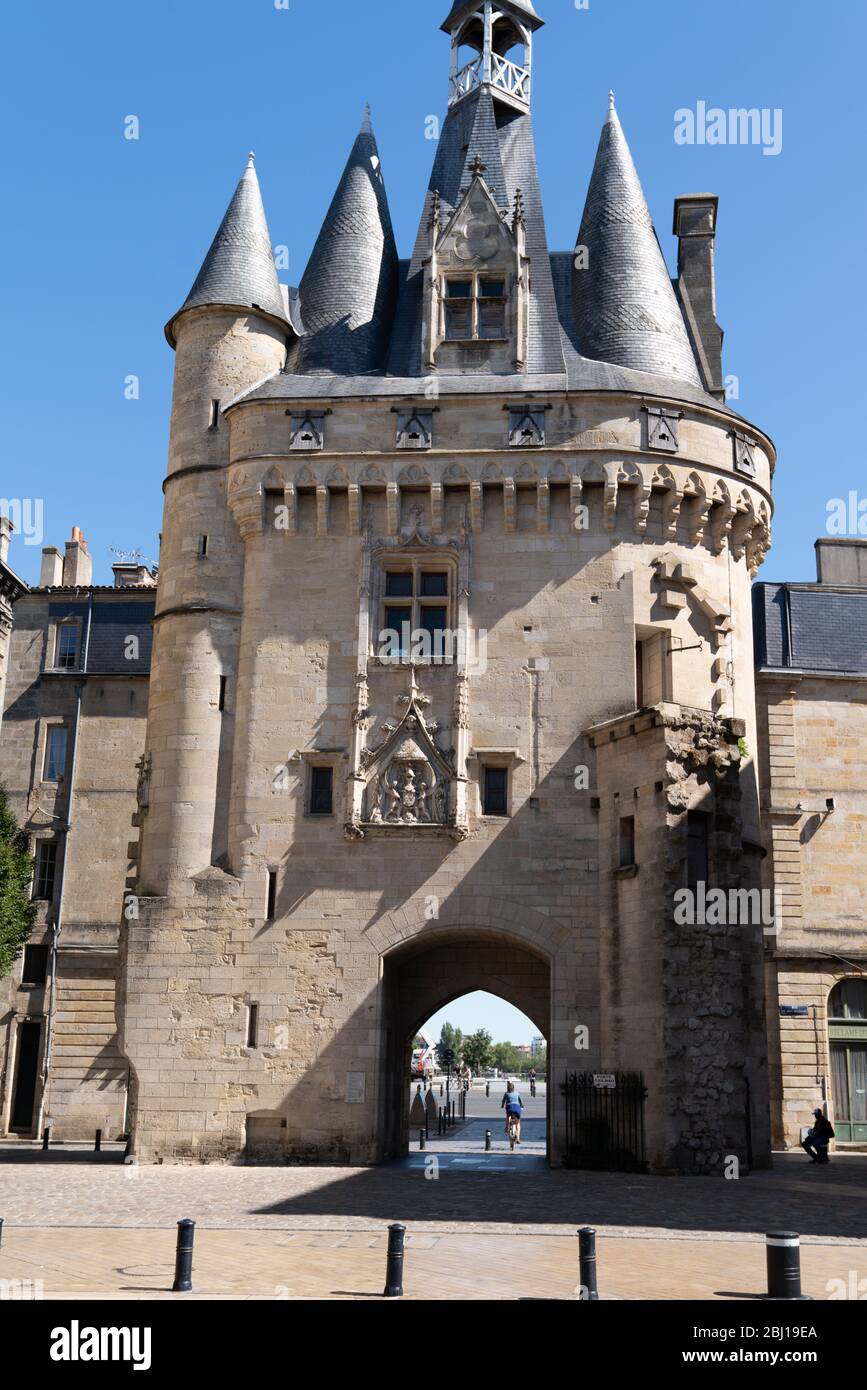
(492, 31)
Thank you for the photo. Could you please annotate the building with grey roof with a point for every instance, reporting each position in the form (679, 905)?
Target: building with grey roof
(451, 684)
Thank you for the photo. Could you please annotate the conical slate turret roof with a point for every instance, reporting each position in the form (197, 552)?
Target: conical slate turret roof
(349, 288)
(626, 311)
(239, 267)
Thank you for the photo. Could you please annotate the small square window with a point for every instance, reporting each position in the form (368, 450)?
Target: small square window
(55, 753)
(495, 791)
(492, 289)
(459, 289)
(321, 791)
(398, 623)
(34, 969)
(398, 584)
(434, 584)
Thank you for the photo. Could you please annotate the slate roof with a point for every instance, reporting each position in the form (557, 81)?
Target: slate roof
(239, 267)
(626, 310)
(349, 288)
(810, 627)
(113, 622)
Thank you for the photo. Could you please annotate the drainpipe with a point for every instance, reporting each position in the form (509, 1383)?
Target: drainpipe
(57, 925)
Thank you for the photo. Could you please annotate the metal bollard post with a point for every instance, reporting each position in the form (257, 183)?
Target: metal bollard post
(394, 1262)
(184, 1257)
(487, 1141)
(441, 1088)
(97, 1143)
(487, 1090)
(46, 1138)
(421, 1138)
(587, 1263)
(784, 1265)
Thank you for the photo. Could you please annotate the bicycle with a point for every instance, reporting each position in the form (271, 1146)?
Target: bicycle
(512, 1123)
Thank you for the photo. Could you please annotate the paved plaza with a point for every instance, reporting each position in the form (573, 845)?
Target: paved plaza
(500, 1226)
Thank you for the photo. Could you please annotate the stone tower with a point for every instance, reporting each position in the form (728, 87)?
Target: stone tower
(452, 677)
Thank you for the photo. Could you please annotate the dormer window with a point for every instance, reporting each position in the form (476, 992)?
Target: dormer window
(475, 309)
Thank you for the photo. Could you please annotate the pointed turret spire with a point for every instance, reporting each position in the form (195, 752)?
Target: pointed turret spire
(349, 288)
(239, 267)
(626, 311)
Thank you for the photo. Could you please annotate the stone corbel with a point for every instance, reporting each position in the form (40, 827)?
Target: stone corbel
(321, 510)
(476, 507)
(436, 507)
(392, 505)
(246, 505)
(289, 524)
(510, 521)
(722, 516)
(609, 497)
(354, 503)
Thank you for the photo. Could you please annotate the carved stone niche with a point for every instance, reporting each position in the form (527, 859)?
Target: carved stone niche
(403, 783)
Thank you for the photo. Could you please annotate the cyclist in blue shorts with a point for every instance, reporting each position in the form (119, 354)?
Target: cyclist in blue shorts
(514, 1106)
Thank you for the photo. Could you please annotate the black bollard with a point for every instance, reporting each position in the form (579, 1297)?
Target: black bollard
(487, 1141)
(587, 1263)
(394, 1262)
(46, 1138)
(441, 1088)
(421, 1138)
(487, 1090)
(184, 1257)
(97, 1143)
(784, 1265)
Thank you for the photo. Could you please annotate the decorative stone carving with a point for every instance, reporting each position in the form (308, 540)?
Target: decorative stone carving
(404, 780)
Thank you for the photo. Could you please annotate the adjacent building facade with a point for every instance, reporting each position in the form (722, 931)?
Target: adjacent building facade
(811, 681)
(73, 730)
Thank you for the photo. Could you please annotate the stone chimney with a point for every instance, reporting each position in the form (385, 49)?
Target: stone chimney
(78, 563)
(841, 560)
(695, 229)
(51, 573)
(6, 529)
(129, 572)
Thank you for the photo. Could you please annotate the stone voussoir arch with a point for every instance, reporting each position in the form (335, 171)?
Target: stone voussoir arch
(497, 918)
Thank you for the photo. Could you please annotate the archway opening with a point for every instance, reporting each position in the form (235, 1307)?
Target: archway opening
(465, 979)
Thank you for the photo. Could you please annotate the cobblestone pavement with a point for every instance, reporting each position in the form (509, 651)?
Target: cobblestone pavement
(79, 1188)
(246, 1264)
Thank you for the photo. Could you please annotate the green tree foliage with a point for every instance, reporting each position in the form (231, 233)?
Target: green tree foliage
(506, 1057)
(477, 1050)
(17, 912)
(451, 1039)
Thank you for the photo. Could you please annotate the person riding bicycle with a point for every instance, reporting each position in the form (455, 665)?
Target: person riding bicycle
(514, 1107)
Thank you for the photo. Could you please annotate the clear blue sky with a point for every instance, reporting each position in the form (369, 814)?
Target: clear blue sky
(103, 235)
(503, 1021)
